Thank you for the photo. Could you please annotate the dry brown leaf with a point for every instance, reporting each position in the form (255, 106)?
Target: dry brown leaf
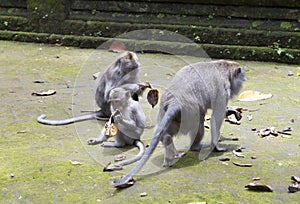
(119, 157)
(259, 187)
(21, 131)
(242, 165)
(144, 194)
(44, 93)
(152, 97)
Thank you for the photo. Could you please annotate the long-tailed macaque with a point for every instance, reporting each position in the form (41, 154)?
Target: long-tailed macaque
(124, 72)
(194, 89)
(130, 121)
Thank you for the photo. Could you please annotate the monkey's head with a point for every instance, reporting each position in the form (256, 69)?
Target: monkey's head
(128, 61)
(118, 97)
(237, 78)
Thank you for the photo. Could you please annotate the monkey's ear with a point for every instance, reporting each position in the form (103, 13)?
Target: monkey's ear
(130, 55)
(237, 71)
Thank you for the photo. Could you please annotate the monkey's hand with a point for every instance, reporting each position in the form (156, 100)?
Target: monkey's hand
(117, 115)
(144, 85)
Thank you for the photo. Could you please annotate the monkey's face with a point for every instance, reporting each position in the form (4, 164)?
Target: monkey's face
(129, 62)
(119, 97)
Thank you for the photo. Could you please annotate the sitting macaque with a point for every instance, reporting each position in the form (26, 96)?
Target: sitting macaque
(124, 72)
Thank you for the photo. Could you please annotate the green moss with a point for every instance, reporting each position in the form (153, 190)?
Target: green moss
(285, 25)
(49, 6)
(256, 24)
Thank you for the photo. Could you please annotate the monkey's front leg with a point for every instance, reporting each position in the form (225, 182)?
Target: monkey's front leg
(98, 140)
(216, 122)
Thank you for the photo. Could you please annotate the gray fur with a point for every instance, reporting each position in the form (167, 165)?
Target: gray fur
(130, 122)
(124, 72)
(194, 89)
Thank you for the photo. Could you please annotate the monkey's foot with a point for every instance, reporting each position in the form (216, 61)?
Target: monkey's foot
(168, 162)
(180, 154)
(217, 148)
(93, 141)
(199, 146)
(112, 167)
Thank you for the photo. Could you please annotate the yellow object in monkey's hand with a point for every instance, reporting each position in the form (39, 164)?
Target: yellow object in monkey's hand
(111, 128)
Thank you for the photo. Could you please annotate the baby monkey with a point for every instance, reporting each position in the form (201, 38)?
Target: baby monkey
(130, 121)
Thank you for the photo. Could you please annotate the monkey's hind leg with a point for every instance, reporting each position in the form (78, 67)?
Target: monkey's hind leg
(170, 151)
(98, 140)
(197, 145)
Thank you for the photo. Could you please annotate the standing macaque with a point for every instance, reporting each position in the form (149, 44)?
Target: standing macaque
(124, 72)
(194, 89)
(129, 119)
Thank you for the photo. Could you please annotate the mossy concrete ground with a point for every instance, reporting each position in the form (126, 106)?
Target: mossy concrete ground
(35, 159)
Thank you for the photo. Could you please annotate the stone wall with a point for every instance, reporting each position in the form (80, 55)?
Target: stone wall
(266, 30)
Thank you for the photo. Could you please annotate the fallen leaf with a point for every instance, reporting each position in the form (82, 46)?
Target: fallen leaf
(232, 119)
(75, 162)
(119, 157)
(236, 111)
(250, 117)
(238, 154)
(152, 97)
(295, 178)
(242, 165)
(39, 81)
(224, 159)
(21, 131)
(251, 95)
(295, 187)
(259, 187)
(44, 93)
(144, 194)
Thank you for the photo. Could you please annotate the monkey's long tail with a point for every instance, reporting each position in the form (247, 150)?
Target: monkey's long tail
(137, 157)
(162, 127)
(93, 115)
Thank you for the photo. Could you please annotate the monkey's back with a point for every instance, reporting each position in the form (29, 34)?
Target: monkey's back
(192, 91)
